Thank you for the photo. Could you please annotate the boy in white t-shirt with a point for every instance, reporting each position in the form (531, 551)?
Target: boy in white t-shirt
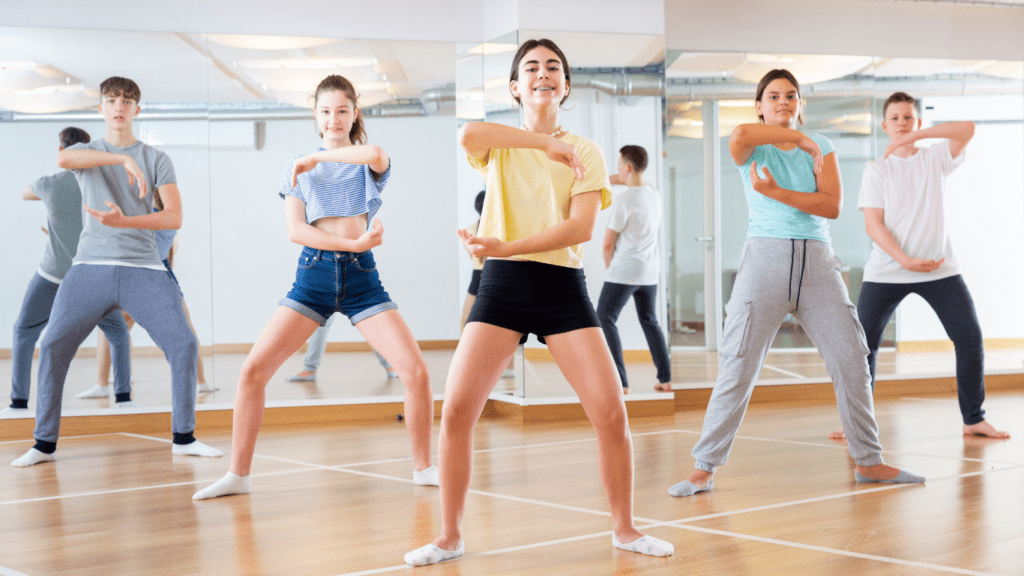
(631, 257)
(901, 197)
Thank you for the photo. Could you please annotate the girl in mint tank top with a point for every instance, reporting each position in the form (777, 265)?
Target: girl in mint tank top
(793, 188)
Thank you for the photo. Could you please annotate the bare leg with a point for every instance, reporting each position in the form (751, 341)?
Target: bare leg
(584, 359)
(482, 354)
(282, 337)
(388, 334)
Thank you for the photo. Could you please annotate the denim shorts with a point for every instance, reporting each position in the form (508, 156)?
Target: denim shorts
(327, 282)
(533, 297)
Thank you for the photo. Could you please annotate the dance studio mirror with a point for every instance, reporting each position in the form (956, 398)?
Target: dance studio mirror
(231, 111)
(708, 94)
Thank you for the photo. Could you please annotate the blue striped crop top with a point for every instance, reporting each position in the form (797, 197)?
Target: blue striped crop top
(336, 189)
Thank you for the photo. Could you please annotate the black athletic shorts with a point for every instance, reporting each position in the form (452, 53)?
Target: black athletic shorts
(474, 283)
(533, 297)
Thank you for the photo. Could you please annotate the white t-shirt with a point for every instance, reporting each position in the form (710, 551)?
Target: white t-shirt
(636, 216)
(910, 190)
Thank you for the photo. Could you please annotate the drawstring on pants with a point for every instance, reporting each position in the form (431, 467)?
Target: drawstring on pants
(803, 266)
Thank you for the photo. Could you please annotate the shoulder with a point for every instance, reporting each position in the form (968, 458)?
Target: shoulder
(822, 142)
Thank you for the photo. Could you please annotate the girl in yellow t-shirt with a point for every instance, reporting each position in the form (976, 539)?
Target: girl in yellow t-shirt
(544, 190)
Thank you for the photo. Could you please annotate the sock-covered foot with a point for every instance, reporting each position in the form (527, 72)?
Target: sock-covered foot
(204, 387)
(508, 373)
(392, 375)
(304, 376)
(196, 448)
(985, 429)
(426, 477)
(96, 391)
(837, 435)
(648, 545)
(885, 474)
(13, 410)
(432, 554)
(699, 481)
(230, 484)
(31, 458)
(128, 404)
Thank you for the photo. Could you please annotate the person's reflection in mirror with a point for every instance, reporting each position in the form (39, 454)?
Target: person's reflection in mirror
(331, 196)
(545, 187)
(118, 266)
(62, 198)
(631, 257)
(793, 187)
(315, 349)
(901, 196)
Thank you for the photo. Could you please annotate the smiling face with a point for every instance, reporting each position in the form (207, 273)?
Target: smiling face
(900, 118)
(335, 114)
(541, 79)
(118, 111)
(779, 104)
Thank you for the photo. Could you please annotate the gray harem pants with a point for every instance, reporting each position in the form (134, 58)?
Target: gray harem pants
(779, 276)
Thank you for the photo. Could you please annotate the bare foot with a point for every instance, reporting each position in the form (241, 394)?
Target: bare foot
(985, 429)
(625, 390)
(837, 435)
(663, 386)
(878, 472)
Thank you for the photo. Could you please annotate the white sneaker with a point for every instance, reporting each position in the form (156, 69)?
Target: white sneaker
(96, 391)
(128, 404)
(12, 410)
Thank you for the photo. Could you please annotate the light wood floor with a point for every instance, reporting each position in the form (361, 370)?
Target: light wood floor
(340, 501)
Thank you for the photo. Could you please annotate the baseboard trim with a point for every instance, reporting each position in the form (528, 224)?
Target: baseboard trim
(944, 345)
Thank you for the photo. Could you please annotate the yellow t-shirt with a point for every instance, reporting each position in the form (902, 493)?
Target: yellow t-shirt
(527, 193)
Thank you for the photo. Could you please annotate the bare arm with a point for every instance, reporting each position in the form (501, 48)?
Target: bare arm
(167, 219)
(305, 234)
(614, 179)
(746, 137)
(610, 237)
(826, 202)
(958, 133)
(576, 229)
(82, 159)
(477, 139)
(29, 194)
(874, 223)
(372, 156)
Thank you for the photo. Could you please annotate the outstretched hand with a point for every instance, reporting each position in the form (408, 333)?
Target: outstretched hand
(762, 185)
(301, 166)
(371, 238)
(564, 153)
(135, 174)
(811, 147)
(482, 247)
(113, 217)
(922, 265)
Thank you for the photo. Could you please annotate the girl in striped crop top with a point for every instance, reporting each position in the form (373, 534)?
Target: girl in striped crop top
(330, 197)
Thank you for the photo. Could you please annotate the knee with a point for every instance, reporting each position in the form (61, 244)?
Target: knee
(969, 341)
(416, 376)
(254, 374)
(611, 423)
(456, 422)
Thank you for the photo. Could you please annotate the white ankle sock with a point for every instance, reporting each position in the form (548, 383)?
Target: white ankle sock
(31, 458)
(128, 404)
(648, 545)
(230, 484)
(196, 448)
(426, 477)
(206, 387)
(96, 391)
(431, 554)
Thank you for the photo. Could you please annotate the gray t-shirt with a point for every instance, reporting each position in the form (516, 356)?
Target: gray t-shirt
(129, 246)
(63, 200)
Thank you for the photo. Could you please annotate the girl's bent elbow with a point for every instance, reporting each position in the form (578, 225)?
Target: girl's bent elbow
(63, 161)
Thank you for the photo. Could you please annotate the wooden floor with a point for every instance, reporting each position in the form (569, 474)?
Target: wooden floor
(340, 501)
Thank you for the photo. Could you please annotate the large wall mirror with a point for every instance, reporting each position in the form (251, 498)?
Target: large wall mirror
(231, 111)
(708, 94)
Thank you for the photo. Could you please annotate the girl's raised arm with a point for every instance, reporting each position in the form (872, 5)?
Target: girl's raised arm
(477, 139)
(746, 137)
(373, 156)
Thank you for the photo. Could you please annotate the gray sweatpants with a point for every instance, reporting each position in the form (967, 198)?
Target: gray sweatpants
(87, 294)
(801, 277)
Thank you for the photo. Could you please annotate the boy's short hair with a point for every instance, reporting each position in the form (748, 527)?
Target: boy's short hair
(635, 156)
(898, 97)
(71, 136)
(118, 86)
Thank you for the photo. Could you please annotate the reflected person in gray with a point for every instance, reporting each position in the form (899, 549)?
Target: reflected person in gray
(63, 201)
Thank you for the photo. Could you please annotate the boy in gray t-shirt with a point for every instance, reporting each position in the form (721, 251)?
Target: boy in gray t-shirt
(117, 266)
(63, 201)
